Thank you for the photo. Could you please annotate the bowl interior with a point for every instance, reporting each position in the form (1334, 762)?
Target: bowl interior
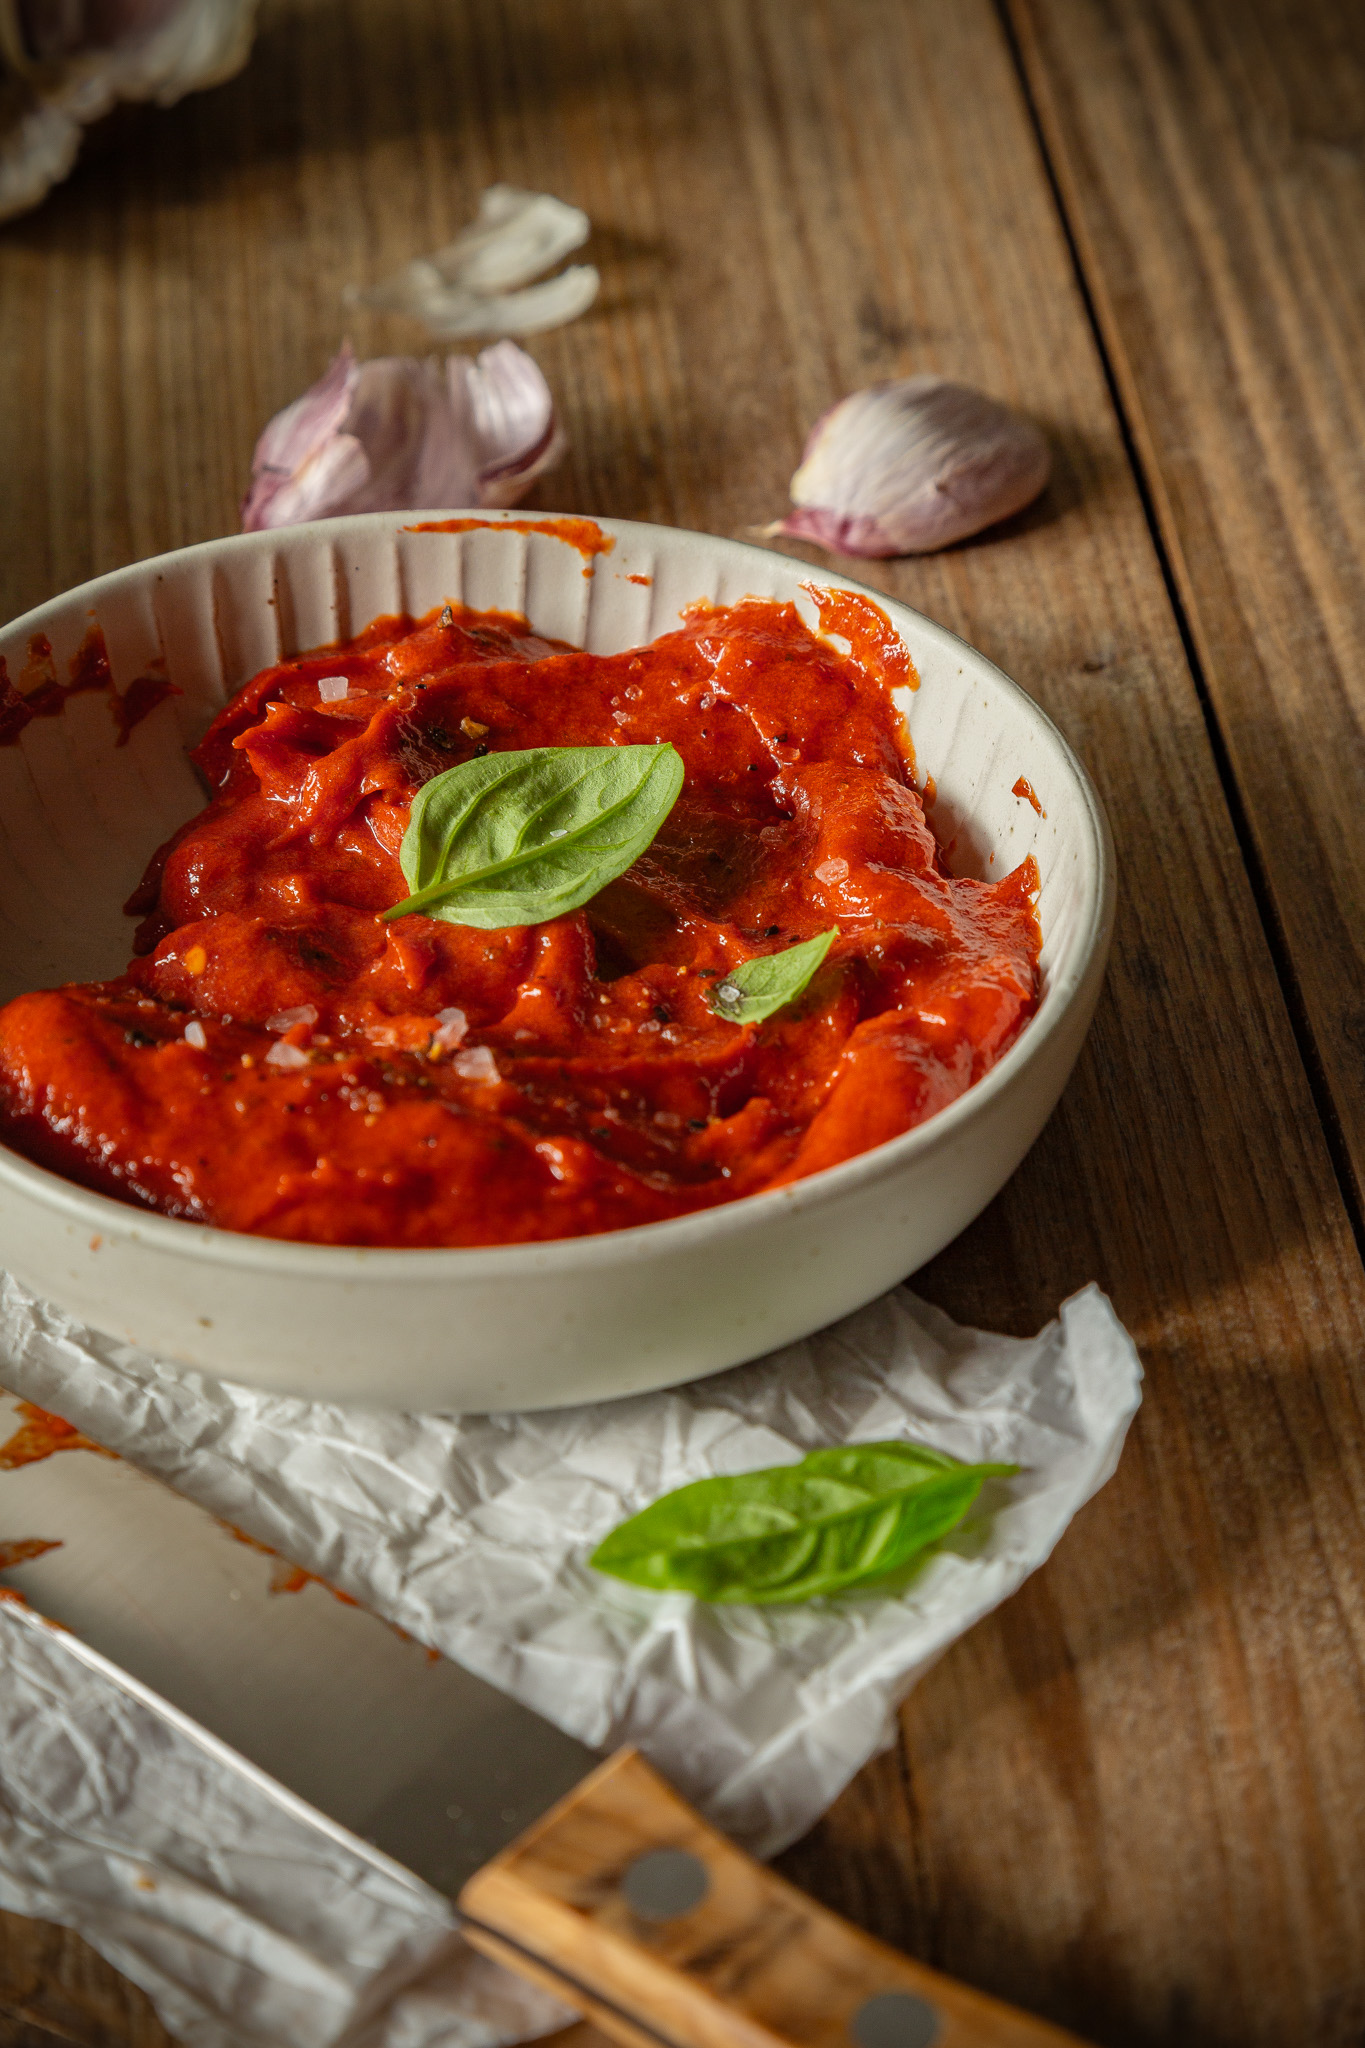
(81, 813)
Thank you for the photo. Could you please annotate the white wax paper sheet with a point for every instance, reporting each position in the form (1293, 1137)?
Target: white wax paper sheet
(472, 1534)
(245, 1920)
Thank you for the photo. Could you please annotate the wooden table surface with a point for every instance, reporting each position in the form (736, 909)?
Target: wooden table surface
(1134, 1799)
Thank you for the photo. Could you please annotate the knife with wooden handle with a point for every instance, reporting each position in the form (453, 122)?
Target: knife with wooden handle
(627, 1905)
(619, 1898)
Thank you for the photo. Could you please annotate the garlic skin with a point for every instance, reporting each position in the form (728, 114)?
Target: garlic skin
(396, 435)
(480, 284)
(65, 63)
(912, 465)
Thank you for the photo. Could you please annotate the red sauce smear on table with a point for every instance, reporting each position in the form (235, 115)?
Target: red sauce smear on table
(1026, 789)
(41, 1434)
(604, 1092)
(40, 695)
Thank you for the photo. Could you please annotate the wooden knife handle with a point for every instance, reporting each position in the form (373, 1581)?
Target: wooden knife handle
(627, 1905)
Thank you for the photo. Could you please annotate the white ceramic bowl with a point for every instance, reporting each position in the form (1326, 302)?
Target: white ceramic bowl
(516, 1326)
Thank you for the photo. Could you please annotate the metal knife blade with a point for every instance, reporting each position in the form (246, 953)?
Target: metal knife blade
(480, 1770)
(607, 1890)
(411, 1752)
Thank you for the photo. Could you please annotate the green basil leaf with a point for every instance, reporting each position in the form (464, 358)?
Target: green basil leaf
(752, 992)
(518, 838)
(841, 1518)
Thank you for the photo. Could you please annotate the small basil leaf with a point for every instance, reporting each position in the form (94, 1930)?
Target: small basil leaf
(517, 838)
(752, 992)
(840, 1518)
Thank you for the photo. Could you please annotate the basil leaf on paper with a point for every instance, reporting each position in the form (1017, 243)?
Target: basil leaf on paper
(517, 838)
(749, 993)
(839, 1519)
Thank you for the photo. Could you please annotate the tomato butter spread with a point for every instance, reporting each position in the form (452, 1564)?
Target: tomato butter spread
(282, 1059)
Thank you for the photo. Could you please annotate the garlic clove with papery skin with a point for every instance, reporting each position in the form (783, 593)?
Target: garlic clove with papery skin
(911, 465)
(398, 434)
(480, 284)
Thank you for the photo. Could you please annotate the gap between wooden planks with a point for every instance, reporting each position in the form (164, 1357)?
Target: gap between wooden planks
(1212, 158)
(1127, 1801)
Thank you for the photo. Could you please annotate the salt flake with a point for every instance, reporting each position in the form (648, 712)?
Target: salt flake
(283, 1054)
(285, 1020)
(451, 1026)
(477, 1064)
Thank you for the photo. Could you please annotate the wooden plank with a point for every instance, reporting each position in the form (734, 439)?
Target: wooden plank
(1209, 151)
(54, 1988)
(1128, 1802)
(750, 1962)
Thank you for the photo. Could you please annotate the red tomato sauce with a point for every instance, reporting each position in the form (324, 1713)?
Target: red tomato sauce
(22, 1552)
(40, 695)
(276, 1059)
(39, 1435)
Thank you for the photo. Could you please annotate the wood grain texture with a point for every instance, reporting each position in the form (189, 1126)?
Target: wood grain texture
(1212, 156)
(754, 1963)
(1131, 1801)
(53, 1988)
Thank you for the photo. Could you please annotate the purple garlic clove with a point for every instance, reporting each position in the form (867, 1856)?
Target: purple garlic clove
(397, 434)
(912, 465)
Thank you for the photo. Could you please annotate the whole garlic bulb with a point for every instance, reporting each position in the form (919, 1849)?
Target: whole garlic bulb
(66, 63)
(911, 465)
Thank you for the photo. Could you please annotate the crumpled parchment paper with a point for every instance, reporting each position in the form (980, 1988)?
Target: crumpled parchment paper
(471, 1533)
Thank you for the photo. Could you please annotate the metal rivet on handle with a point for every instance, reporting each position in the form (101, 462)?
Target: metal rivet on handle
(665, 1883)
(894, 2019)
